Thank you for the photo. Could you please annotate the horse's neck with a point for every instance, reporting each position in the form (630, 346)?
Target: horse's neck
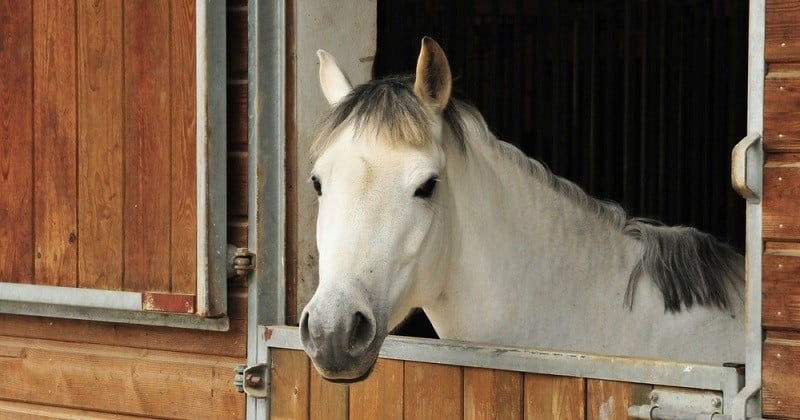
(517, 242)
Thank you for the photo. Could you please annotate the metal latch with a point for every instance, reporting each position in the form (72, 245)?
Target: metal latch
(240, 261)
(676, 403)
(252, 380)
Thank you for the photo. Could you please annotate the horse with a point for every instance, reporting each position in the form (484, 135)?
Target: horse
(420, 206)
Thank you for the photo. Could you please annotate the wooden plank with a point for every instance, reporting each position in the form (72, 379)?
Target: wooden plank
(781, 288)
(144, 382)
(236, 30)
(237, 184)
(289, 382)
(16, 142)
(554, 397)
(100, 167)
(781, 197)
(781, 105)
(380, 394)
(432, 391)
(55, 144)
(183, 238)
(147, 146)
(782, 36)
(781, 375)
(168, 302)
(237, 115)
(328, 401)
(492, 394)
(14, 410)
(608, 400)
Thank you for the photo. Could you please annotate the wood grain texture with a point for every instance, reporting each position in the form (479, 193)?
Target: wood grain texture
(432, 391)
(781, 197)
(100, 166)
(782, 36)
(183, 190)
(117, 379)
(55, 144)
(289, 392)
(236, 29)
(381, 394)
(781, 285)
(16, 142)
(147, 146)
(781, 106)
(781, 375)
(237, 183)
(327, 400)
(14, 410)
(607, 400)
(553, 397)
(492, 394)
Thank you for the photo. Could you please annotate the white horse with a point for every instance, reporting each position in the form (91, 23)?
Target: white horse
(421, 206)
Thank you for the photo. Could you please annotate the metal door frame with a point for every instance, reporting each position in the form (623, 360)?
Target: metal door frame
(212, 258)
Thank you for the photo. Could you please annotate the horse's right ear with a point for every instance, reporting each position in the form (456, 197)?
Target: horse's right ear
(335, 85)
(433, 80)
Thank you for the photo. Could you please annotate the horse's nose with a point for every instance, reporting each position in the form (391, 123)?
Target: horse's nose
(336, 337)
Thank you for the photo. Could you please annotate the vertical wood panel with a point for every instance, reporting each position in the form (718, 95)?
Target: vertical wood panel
(328, 401)
(381, 393)
(147, 145)
(554, 397)
(492, 394)
(781, 197)
(782, 35)
(289, 385)
(55, 153)
(781, 374)
(184, 155)
(608, 400)
(100, 167)
(432, 391)
(16, 142)
(781, 295)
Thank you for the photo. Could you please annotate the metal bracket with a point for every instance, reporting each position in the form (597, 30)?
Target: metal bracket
(678, 403)
(240, 261)
(252, 380)
(746, 163)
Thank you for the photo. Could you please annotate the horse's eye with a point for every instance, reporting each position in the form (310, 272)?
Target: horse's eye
(426, 190)
(317, 185)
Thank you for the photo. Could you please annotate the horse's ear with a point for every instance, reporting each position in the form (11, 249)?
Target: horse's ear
(335, 85)
(433, 82)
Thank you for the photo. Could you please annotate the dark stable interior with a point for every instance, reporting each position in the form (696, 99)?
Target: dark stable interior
(637, 101)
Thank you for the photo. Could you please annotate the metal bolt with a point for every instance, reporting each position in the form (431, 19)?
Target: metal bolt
(716, 402)
(783, 44)
(653, 397)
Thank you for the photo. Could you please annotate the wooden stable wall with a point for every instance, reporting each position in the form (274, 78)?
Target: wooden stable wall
(88, 137)
(781, 222)
(412, 390)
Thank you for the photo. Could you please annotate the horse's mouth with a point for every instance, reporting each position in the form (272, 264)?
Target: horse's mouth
(348, 381)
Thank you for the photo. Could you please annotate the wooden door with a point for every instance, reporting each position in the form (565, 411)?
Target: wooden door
(98, 147)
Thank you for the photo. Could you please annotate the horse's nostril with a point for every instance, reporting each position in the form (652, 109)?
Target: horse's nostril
(361, 334)
(305, 335)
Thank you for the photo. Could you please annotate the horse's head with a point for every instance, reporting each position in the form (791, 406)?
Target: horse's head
(379, 159)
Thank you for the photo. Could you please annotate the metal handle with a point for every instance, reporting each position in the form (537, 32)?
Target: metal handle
(746, 167)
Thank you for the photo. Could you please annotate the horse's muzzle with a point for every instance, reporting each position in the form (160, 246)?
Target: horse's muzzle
(344, 345)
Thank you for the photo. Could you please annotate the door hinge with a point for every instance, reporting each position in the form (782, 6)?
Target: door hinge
(252, 380)
(241, 261)
(679, 403)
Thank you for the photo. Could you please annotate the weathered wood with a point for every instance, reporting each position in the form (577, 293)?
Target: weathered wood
(782, 36)
(183, 94)
(236, 30)
(433, 391)
(781, 105)
(289, 392)
(237, 183)
(328, 401)
(381, 393)
(118, 379)
(609, 400)
(147, 146)
(16, 142)
(100, 148)
(492, 394)
(781, 197)
(14, 410)
(781, 375)
(553, 397)
(55, 158)
(781, 288)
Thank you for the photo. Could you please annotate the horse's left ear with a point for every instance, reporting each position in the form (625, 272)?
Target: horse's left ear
(433, 82)
(334, 83)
